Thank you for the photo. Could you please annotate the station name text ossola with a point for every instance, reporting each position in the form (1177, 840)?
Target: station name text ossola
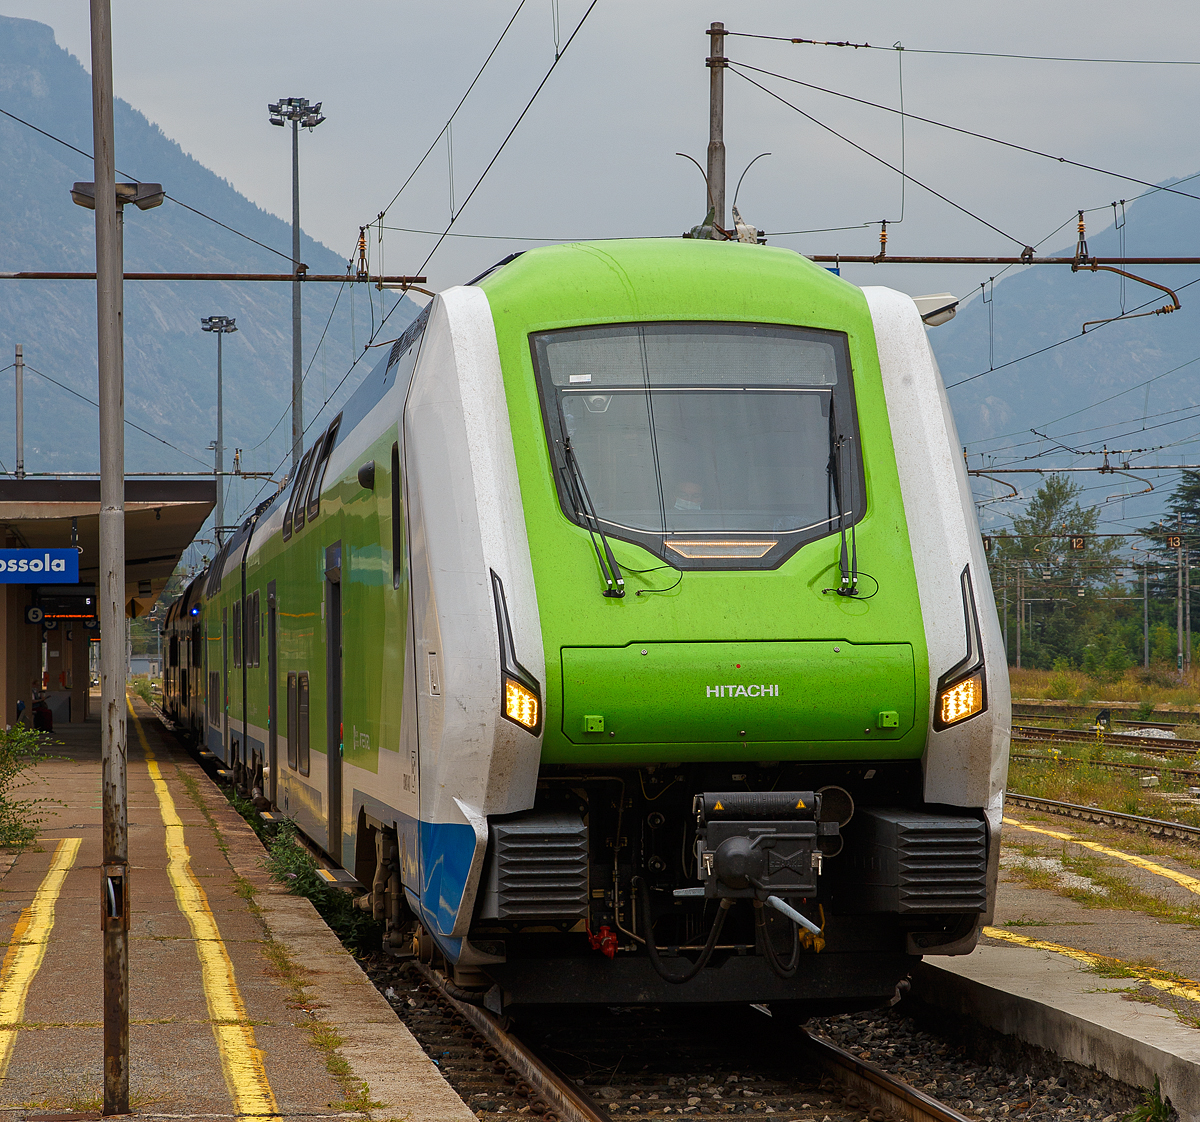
(741, 691)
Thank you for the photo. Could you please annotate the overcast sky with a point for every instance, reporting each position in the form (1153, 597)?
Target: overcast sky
(595, 156)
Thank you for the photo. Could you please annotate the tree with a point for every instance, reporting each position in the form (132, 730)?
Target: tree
(1063, 566)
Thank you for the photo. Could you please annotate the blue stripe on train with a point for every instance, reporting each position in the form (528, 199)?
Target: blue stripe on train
(447, 849)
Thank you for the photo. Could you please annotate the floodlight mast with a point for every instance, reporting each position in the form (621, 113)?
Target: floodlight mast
(221, 325)
(302, 115)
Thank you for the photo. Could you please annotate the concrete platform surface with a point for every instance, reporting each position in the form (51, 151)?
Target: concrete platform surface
(240, 996)
(1052, 1002)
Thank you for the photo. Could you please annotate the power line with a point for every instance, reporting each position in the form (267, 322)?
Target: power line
(445, 233)
(967, 132)
(878, 159)
(178, 202)
(450, 119)
(1068, 339)
(967, 54)
(316, 350)
(131, 424)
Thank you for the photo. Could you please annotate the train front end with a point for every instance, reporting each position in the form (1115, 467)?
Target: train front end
(761, 672)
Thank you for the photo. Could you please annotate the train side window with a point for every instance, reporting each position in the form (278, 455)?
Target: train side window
(256, 630)
(293, 721)
(302, 723)
(318, 473)
(397, 529)
(214, 699)
(293, 510)
(237, 633)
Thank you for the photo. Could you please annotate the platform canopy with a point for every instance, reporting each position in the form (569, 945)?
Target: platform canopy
(162, 517)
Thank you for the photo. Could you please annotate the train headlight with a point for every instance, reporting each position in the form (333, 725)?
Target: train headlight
(962, 700)
(520, 703)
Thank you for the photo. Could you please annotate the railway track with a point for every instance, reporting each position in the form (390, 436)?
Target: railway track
(1156, 827)
(843, 1085)
(1173, 747)
(1045, 712)
(1111, 765)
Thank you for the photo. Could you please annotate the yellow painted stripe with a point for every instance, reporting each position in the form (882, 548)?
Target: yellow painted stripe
(27, 948)
(241, 1058)
(1179, 987)
(1192, 884)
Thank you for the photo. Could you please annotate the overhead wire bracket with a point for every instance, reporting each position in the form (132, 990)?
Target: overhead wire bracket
(1083, 261)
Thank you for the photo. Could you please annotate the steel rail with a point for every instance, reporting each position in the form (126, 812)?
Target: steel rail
(1156, 827)
(324, 278)
(869, 1084)
(1157, 743)
(1051, 715)
(568, 1102)
(1111, 765)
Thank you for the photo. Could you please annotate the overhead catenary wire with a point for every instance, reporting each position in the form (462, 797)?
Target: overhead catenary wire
(479, 74)
(131, 424)
(178, 202)
(442, 237)
(879, 159)
(903, 114)
(965, 54)
(1051, 346)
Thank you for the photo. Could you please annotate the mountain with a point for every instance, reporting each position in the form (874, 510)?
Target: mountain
(1125, 383)
(170, 365)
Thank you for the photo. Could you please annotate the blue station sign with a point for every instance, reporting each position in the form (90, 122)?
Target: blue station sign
(39, 566)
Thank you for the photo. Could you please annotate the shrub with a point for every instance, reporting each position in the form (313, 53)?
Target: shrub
(290, 864)
(20, 748)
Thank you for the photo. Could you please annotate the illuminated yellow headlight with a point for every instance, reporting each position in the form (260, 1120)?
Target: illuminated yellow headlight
(520, 704)
(962, 700)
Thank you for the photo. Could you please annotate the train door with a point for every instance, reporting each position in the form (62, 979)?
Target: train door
(272, 698)
(333, 696)
(223, 716)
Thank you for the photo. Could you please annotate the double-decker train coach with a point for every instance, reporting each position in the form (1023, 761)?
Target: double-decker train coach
(629, 638)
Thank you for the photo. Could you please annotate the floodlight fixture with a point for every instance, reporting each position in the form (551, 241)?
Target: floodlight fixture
(302, 115)
(217, 323)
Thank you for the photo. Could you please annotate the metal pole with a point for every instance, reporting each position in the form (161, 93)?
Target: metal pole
(20, 365)
(220, 443)
(1187, 597)
(1179, 606)
(1020, 612)
(297, 377)
(109, 329)
(716, 125)
(1005, 615)
(1146, 611)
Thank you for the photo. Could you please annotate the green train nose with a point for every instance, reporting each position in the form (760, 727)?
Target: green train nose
(782, 693)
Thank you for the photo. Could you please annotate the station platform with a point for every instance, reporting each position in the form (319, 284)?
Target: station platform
(242, 1002)
(1093, 954)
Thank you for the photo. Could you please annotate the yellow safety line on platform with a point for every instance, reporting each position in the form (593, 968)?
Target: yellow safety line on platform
(27, 948)
(241, 1058)
(1192, 884)
(1180, 987)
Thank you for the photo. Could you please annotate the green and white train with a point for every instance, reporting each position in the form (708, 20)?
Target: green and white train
(628, 637)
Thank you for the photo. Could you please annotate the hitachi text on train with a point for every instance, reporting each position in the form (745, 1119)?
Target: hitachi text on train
(741, 691)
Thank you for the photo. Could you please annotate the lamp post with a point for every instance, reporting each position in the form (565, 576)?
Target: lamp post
(108, 198)
(222, 325)
(302, 115)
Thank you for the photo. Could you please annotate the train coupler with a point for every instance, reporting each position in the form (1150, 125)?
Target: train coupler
(761, 844)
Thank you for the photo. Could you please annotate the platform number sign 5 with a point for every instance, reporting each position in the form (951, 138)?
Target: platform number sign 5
(1174, 541)
(1079, 542)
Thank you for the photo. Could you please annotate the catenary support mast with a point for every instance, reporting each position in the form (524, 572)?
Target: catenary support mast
(109, 272)
(716, 126)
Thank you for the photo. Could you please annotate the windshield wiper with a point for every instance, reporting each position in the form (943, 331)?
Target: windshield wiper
(848, 562)
(614, 582)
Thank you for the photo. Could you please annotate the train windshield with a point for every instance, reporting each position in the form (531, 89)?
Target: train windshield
(683, 436)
